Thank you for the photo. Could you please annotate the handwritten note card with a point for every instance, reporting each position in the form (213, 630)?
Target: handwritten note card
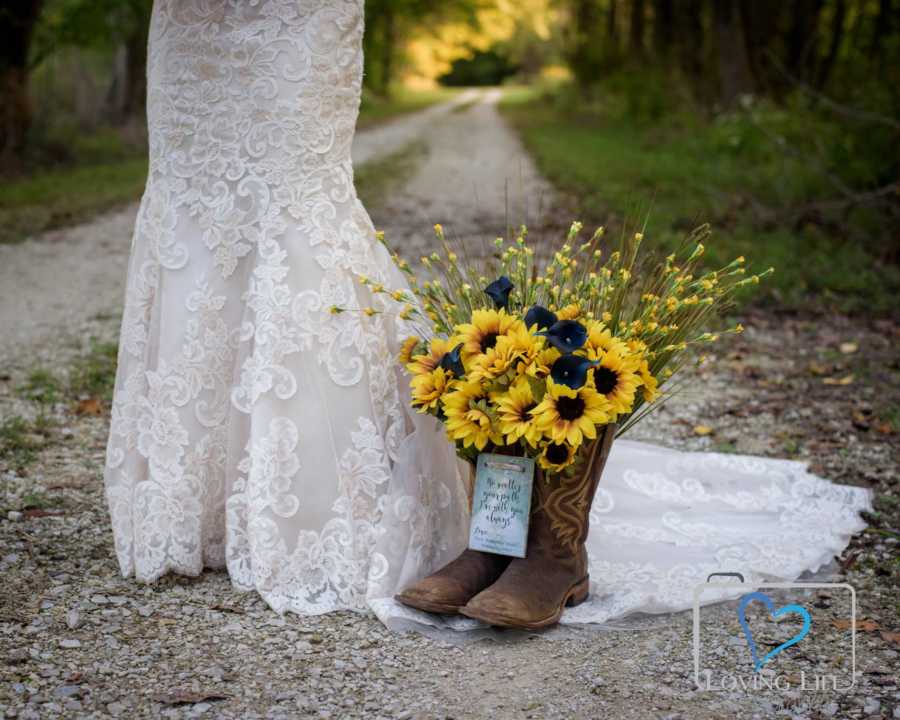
(501, 504)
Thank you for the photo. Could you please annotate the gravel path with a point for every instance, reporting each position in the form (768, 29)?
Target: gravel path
(76, 640)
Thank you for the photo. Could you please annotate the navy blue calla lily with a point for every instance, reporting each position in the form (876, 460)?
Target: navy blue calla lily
(540, 316)
(451, 362)
(566, 335)
(572, 370)
(499, 291)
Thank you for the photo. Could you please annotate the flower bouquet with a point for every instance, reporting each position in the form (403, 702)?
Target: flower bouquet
(549, 363)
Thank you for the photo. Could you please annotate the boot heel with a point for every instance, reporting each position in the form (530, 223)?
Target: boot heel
(579, 593)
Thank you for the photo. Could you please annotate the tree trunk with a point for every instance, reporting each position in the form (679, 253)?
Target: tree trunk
(388, 40)
(834, 47)
(734, 68)
(16, 28)
(585, 53)
(689, 38)
(761, 21)
(882, 28)
(135, 74)
(636, 33)
(612, 35)
(663, 21)
(801, 46)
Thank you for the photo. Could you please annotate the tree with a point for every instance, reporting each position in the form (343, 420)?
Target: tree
(636, 32)
(585, 52)
(734, 68)
(17, 26)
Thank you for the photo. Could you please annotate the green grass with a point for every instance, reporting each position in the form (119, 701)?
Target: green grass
(681, 171)
(93, 375)
(41, 386)
(20, 441)
(376, 179)
(64, 196)
(374, 110)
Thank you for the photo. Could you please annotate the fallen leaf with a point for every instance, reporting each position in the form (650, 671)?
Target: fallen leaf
(188, 697)
(891, 637)
(41, 512)
(860, 420)
(817, 369)
(846, 380)
(703, 430)
(848, 348)
(89, 406)
(884, 428)
(862, 625)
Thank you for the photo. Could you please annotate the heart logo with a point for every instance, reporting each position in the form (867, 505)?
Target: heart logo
(776, 614)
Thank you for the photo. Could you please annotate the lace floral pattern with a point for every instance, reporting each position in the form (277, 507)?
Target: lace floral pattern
(251, 428)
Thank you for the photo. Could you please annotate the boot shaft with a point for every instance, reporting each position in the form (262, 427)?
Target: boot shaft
(561, 505)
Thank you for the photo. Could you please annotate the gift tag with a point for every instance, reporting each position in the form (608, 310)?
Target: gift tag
(501, 504)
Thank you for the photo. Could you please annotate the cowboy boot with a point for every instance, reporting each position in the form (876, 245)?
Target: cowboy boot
(451, 587)
(532, 591)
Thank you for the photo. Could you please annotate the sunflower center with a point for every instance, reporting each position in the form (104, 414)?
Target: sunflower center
(570, 408)
(524, 412)
(488, 341)
(557, 454)
(605, 380)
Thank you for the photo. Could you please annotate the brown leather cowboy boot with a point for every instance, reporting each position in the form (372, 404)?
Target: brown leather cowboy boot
(451, 587)
(532, 591)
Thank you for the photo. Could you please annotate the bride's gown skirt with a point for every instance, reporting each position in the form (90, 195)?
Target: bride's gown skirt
(254, 430)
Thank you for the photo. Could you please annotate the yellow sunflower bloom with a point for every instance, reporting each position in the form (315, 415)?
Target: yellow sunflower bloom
(600, 339)
(518, 346)
(429, 388)
(556, 457)
(539, 366)
(423, 364)
(514, 411)
(567, 415)
(481, 334)
(407, 349)
(569, 312)
(616, 379)
(468, 419)
(650, 385)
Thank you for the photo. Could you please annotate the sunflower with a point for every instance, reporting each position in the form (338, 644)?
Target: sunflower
(407, 349)
(650, 389)
(481, 334)
(425, 363)
(429, 388)
(517, 346)
(468, 418)
(567, 415)
(540, 365)
(569, 312)
(556, 457)
(616, 379)
(600, 339)
(514, 410)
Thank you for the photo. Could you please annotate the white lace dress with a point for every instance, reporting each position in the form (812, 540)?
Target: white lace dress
(255, 431)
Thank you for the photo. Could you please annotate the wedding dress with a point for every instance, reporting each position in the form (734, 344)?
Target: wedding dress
(254, 430)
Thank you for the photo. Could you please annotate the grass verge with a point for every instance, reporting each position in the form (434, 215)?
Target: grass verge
(681, 171)
(378, 178)
(374, 110)
(65, 196)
